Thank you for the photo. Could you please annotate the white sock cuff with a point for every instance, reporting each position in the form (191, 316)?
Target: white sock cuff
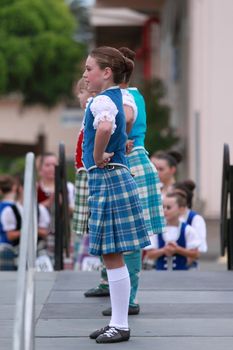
(117, 274)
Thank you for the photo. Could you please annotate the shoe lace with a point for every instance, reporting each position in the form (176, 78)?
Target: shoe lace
(111, 332)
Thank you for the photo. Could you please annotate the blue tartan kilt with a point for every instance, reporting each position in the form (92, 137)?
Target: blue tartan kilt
(116, 221)
(147, 179)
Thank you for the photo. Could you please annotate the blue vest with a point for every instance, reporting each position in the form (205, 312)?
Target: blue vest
(189, 221)
(179, 262)
(3, 236)
(118, 139)
(138, 130)
(191, 215)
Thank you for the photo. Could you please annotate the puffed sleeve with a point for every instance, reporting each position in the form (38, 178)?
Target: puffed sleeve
(192, 238)
(128, 100)
(8, 219)
(104, 109)
(199, 225)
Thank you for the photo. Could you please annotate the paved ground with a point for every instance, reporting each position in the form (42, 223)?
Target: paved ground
(179, 310)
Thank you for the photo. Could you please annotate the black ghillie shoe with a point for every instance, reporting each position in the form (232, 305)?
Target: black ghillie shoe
(97, 292)
(133, 310)
(96, 333)
(113, 335)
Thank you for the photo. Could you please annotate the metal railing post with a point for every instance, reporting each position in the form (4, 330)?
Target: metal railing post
(230, 222)
(62, 225)
(24, 323)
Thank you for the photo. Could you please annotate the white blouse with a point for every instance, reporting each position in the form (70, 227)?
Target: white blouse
(104, 109)
(128, 100)
(198, 223)
(172, 234)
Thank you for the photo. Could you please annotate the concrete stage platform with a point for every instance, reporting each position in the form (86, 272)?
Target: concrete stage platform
(179, 311)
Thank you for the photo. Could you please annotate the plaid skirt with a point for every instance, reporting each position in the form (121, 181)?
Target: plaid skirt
(81, 210)
(148, 182)
(116, 221)
(7, 258)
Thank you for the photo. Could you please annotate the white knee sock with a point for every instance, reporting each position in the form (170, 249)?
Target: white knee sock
(119, 286)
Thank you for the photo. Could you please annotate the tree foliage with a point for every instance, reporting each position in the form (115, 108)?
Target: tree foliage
(38, 55)
(160, 135)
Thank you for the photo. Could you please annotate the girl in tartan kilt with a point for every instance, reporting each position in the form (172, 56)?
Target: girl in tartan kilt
(116, 223)
(145, 176)
(148, 183)
(81, 210)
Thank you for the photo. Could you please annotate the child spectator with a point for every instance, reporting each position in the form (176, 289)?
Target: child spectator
(180, 242)
(166, 165)
(9, 229)
(191, 217)
(45, 193)
(11, 216)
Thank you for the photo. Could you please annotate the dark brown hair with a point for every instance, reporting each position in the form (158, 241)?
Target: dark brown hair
(107, 56)
(173, 158)
(186, 187)
(129, 54)
(6, 183)
(181, 199)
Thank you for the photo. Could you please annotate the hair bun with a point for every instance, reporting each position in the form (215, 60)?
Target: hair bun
(178, 157)
(130, 54)
(190, 184)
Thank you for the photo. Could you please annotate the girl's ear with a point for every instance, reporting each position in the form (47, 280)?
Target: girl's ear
(182, 210)
(107, 73)
(173, 170)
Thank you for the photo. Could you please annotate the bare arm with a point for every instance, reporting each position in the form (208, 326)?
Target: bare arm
(172, 249)
(12, 235)
(42, 232)
(129, 116)
(155, 253)
(188, 253)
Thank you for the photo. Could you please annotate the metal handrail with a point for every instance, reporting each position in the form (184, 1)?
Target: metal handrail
(24, 323)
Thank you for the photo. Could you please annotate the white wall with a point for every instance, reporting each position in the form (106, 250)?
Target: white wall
(210, 94)
(18, 124)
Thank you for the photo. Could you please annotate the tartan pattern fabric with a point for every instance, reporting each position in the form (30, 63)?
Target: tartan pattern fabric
(147, 179)
(83, 251)
(116, 221)
(81, 210)
(7, 258)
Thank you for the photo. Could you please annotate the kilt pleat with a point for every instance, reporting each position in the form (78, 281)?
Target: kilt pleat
(81, 210)
(116, 221)
(148, 182)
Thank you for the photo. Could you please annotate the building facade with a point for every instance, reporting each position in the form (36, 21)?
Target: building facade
(186, 43)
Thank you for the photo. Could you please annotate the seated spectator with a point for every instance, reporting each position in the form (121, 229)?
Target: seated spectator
(191, 217)
(166, 164)
(46, 191)
(9, 230)
(11, 220)
(179, 244)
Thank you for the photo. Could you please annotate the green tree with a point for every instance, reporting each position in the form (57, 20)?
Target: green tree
(39, 57)
(160, 135)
